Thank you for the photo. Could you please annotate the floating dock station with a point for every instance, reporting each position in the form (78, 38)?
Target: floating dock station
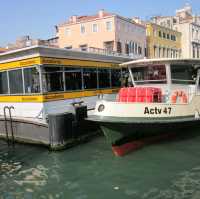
(45, 93)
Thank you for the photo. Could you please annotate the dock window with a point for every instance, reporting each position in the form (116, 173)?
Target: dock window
(73, 78)
(15, 81)
(116, 77)
(90, 78)
(3, 83)
(53, 79)
(31, 80)
(183, 74)
(155, 74)
(104, 78)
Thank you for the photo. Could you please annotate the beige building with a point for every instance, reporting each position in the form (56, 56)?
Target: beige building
(104, 32)
(189, 25)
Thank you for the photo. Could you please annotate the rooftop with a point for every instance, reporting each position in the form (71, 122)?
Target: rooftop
(78, 19)
(101, 14)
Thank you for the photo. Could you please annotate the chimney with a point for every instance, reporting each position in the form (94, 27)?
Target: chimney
(101, 13)
(56, 27)
(136, 19)
(73, 19)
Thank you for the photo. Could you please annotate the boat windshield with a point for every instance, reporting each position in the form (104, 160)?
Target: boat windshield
(149, 74)
(183, 74)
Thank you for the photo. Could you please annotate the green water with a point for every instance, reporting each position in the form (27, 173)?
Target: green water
(91, 171)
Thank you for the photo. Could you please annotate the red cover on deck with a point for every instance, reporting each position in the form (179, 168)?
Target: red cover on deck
(140, 94)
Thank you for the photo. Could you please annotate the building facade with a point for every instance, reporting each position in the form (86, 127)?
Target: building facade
(26, 41)
(162, 42)
(2, 50)
(189, 25)
(105, 32)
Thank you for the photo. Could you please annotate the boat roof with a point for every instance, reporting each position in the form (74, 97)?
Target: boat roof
(141, 62)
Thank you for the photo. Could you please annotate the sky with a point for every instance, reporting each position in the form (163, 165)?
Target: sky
(38, 18)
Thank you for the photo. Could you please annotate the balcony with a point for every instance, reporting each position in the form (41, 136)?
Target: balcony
(196, 41)
(106, 52)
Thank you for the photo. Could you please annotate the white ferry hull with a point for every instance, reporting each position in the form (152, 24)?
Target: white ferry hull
(119, 130)
(124, 121)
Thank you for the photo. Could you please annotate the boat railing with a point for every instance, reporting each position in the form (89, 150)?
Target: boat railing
(175, 96)
(107, 52)
(183, 81)
(191, 93)
(181, 96)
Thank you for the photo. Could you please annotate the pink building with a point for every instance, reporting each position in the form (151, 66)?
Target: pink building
(104, 31)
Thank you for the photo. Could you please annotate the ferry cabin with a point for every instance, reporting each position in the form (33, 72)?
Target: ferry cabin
(38, 80)
(170, 75)
(156, 83)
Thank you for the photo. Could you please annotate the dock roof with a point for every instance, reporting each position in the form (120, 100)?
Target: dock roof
(51, 52)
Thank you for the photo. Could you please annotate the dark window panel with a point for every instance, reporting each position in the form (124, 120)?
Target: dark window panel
(15, 81)
(104, 78)
(116, 77)
(90, 78)
(183, 74)
(3, 83)
(31, 80)
(73, 78)
(154, 74)
(52, 79)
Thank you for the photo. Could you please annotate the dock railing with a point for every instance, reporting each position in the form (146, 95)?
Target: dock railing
(7, 121)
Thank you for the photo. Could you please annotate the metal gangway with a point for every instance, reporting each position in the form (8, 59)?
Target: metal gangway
(9, 123)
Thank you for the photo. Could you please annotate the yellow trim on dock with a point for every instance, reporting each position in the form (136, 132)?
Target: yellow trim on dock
(21, 98)
(74, 62)
(55, 96)
(20, 64)
(54, 61)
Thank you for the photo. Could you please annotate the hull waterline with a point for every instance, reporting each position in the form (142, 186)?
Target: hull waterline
(119, 131)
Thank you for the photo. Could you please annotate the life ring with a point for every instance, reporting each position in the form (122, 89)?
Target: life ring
(181, 95)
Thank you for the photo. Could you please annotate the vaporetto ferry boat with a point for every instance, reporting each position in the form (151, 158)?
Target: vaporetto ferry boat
(163, 96)
(39, 81)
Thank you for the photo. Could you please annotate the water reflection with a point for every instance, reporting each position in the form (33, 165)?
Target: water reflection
(168, 170)
(187, 185)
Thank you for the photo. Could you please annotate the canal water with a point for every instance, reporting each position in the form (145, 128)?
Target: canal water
(167, 170)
